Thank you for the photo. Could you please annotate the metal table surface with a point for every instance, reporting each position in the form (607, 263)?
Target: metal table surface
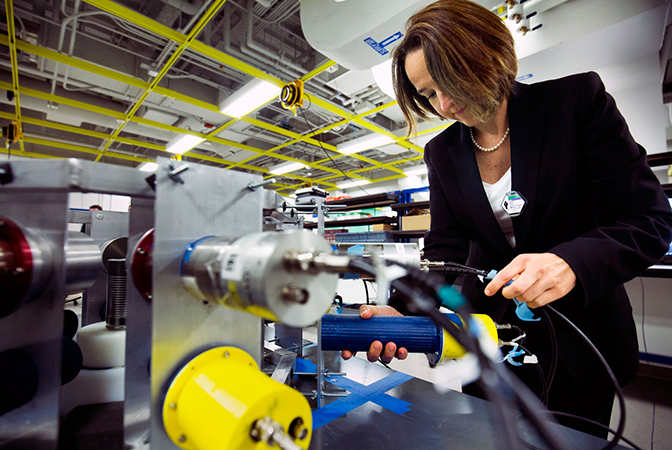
(412, 414)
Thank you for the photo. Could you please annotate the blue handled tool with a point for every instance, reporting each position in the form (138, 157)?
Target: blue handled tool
(415, 334)
(522, 310)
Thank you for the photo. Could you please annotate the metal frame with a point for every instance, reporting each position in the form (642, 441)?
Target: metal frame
(45, 185)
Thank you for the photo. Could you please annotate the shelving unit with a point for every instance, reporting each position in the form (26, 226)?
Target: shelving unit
(373, 201)
(368, 201)
(352, 222)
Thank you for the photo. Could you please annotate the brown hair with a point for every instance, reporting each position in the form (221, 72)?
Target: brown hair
(469, 53)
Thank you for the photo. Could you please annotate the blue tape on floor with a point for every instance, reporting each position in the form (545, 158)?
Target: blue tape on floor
(304, 365)
(359, 395)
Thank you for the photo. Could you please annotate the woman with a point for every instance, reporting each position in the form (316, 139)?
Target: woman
(542, 182)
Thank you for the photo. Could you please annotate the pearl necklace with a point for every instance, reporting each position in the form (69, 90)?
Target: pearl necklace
(483, 149)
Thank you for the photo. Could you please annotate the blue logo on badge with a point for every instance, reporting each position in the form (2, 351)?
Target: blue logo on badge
(380, 46)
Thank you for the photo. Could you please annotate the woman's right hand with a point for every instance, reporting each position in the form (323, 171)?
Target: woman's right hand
(376, 350)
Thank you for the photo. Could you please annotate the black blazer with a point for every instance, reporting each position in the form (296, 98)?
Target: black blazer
(591, 199)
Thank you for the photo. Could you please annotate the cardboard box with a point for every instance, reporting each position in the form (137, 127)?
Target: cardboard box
(383, 227)
(416, 219)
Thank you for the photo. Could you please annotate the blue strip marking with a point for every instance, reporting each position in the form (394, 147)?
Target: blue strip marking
(188, 252)
(660, 359)
(361, 394)
(304, 365)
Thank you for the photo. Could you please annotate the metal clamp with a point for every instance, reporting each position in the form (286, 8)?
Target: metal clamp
(174, 173)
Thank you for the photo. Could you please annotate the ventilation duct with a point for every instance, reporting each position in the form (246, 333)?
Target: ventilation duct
(356, 34)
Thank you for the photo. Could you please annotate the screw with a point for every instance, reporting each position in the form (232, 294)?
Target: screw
(149, 296)
(205, 302)
(293, 294)
(182, 438)
(140, 251)
(227, 354)
(18, 271)
(297, 429)
(173, 405)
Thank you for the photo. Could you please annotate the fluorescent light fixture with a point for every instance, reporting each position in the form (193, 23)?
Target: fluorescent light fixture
(365, 143)
(286, 167)
(183, 143)
(248, 98)
(148, 167)
(418, 170)
(354, 183)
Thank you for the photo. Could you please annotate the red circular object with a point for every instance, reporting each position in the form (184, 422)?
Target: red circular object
(16, 268)
(141, 264)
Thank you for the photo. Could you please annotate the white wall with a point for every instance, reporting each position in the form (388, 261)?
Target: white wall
(629, 67)
(78, 200)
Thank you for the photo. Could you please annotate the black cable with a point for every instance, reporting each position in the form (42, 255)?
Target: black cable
(366, 290)
(499, 384)
(544, 386)
(554, 349)
(619, 392)
(648, 364)
(312, 130)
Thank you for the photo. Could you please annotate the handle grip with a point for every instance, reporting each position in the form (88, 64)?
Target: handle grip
(351, 332)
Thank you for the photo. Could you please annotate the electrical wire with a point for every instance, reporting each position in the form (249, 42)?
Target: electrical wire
(619, 392)
(554, 350)
(312, 130)
(544, 386)
(501, 388)
(648, 363)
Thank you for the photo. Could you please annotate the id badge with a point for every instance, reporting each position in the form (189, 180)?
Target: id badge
(513, 203)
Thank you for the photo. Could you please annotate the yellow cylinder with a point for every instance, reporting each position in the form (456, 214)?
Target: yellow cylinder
(453, 350)
(216, 398)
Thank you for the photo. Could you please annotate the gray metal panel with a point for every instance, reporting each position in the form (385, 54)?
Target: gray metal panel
(106, 225)
(77, 216)
(36, 327)
(138, 339)
(77, 175)
(210, 202)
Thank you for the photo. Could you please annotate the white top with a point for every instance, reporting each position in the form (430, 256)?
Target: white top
(495, 193)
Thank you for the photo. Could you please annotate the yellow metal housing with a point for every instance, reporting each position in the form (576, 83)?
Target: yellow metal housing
(216, 398)
(453, 350)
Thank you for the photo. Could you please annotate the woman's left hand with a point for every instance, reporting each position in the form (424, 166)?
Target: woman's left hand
(539, 279)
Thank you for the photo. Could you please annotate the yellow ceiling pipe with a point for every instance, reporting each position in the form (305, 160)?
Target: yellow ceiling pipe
(82, 149)
(27, 154)
(9, 12)
(324, 129)
(217, 55)
(81, 131)
(137, 83)
(209, 14)
(119, 115)
(168, 33)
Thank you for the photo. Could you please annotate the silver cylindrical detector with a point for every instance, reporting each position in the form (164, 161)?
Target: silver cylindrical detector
(25, 264)
(82, 262)
(248, 274)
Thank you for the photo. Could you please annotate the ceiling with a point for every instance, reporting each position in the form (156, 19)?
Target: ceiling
(92, 95)
(135, 74)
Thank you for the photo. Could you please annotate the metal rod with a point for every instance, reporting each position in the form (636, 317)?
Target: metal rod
(254, 186)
